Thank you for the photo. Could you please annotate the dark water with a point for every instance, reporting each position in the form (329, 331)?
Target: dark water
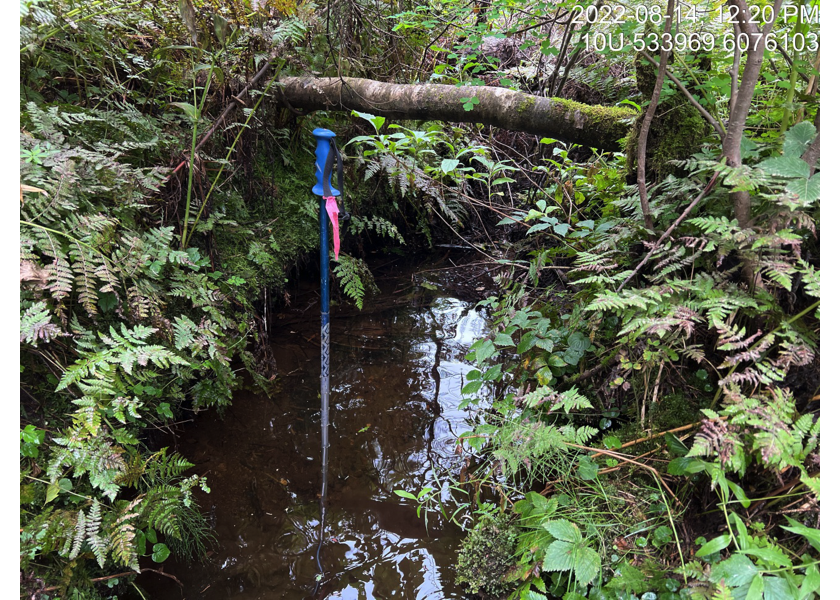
(396, 380)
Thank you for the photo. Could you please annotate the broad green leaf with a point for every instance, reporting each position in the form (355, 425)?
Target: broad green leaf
(52, 492)
(448, 165)
(807, 189)
(471, 388)
(685, 465)
(776, 588)
(377, 122)
(503, 339)
(587, 565)
(529, 339)
(797, 138)
(544, 376)
(716, 545)
(189, 109)
(786, 166)
(404, 494)
(160, 552)
(675, 445)
(564, 530)
(560, 556)
(221, 28)
(493, 373)
(578, 342)
(756, 589)
(811, 582)
(587, 468)
(555, 360)
(771, 555)
(474, 375)
(485, 350)
(736, 571)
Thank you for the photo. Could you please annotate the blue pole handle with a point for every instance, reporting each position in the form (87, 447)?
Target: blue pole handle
(322, 150)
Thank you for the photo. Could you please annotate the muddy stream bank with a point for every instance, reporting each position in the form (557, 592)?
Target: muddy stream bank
(397, 370)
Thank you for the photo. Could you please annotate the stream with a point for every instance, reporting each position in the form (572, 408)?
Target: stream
(396, 376)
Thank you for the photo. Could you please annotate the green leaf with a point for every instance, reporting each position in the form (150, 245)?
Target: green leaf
(493, 373)
(528, 341)
(160, 552)
(811, 582)
(404, 494)
(587, 468)
(771, 555)
(685, 465)
(716, 545)
(736, 571)
(485, 350)
(578, 342)
(611, 442)
(587, 565)
(808, 190)
(544, 376)
(560, 556)
(471, 388)
(675, 445)
(776, 588)
(797, 138)
(164, 410)
(786, 166)
(563, 530)
(810, 534)
(52, 492)
(503, 339)
(756, 589)
(221, 28)
(377, 122)
(545, 344)
(189, 109)
(448, 165)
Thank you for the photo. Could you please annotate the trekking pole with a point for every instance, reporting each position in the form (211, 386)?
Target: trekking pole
(326, 153)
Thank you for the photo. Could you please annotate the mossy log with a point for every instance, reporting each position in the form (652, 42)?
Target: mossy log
(591, 126)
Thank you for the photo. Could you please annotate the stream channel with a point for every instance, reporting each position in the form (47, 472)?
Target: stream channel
(396, 375)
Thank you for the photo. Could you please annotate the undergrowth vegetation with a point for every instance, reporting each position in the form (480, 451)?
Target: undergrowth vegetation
(653, 430)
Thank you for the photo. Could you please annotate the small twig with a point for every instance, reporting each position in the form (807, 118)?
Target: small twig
(625, 458)
(703, 112)
(124, 574)
(673, 226)
(660, 434)
(238, 98)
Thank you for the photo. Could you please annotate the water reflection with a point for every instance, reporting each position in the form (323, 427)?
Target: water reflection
(396, 380)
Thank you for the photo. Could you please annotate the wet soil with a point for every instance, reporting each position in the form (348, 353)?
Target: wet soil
(396, 373)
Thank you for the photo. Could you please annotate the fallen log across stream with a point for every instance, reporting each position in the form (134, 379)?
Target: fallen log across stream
(589, 125)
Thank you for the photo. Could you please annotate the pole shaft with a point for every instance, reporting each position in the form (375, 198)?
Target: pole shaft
(325, 347)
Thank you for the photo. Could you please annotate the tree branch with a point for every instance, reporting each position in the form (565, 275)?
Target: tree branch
(673, 226)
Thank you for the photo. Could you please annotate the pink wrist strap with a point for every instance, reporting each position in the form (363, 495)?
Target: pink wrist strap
(332, 213)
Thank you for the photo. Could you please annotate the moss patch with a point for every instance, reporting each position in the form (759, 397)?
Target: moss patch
(486, 556)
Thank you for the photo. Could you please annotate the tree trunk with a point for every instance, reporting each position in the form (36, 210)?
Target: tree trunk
(591, 126)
